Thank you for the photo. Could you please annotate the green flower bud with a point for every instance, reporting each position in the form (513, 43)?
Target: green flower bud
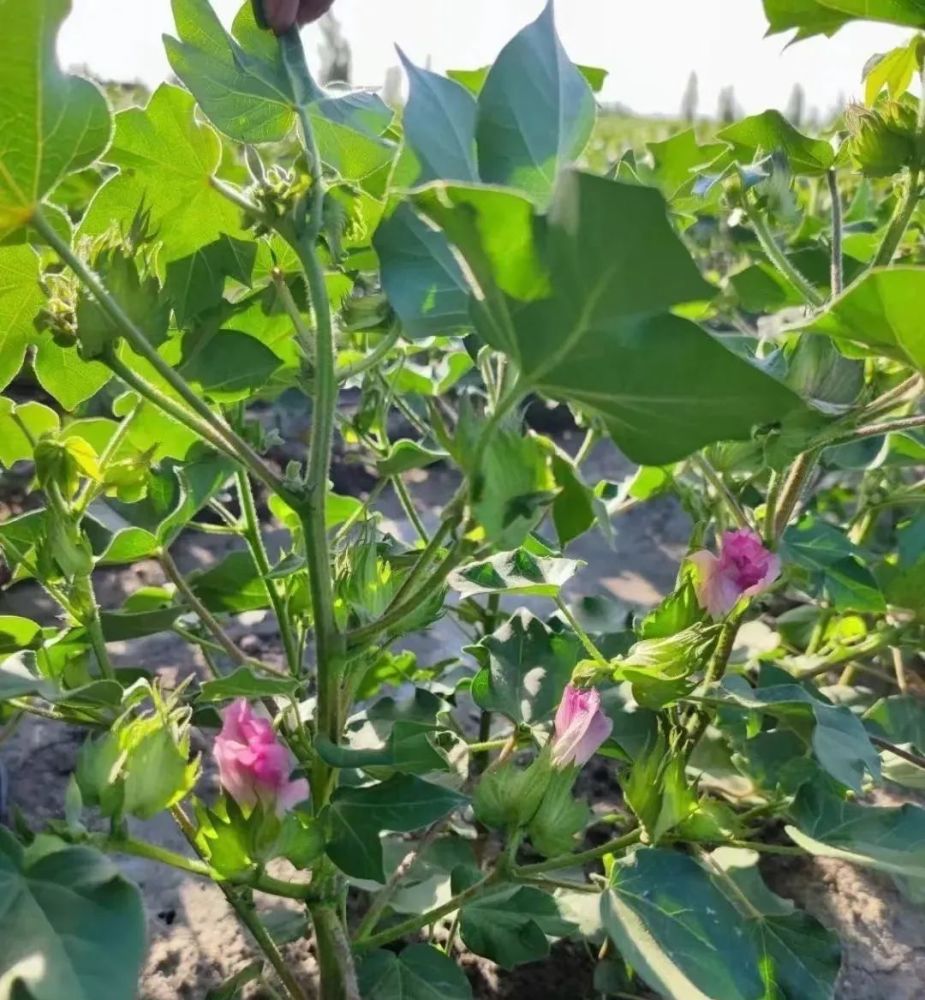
(880, 146)
(508, 797)
(559, 818)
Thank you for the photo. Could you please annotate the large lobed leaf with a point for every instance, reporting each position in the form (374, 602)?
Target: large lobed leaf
(825, 17)
(581, 298)
(50, 123)
(66, 913)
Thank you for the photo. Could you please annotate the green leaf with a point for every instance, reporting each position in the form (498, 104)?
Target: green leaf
(815, 17)
(17, 633)
(880, 315)
(20, 300)
(510, 927)
(797, 954)
(195, 284)
(770, 132)
(899, 719)
(536, 111)
(834, 564)
(586, 292)
(439, 126)
(419, 972)
(381, 747)
(233, 585)
(358, 816)
(19, 424)
(119, 626)
(166, 160)
(67, 911)
(890, 839)
(231, 367)
(894, 70)
(244, 683)
(525, 666)
(678, 931)
(17, 679)
(839, 741)
(51, 124)
(405, 455)
(516, 572)
(63, 374)
(420, 276)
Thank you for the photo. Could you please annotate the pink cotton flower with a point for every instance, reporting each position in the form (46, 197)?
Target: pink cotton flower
(253, 765)
(743, 568)
(581, 727)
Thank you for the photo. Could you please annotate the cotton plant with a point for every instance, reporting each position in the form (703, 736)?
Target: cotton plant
(736, 312)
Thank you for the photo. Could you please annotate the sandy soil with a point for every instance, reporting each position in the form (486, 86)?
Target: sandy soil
(195, 941)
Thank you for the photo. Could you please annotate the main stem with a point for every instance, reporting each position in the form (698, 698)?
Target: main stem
(338, 979)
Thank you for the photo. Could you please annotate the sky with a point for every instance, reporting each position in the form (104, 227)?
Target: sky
(650, 47)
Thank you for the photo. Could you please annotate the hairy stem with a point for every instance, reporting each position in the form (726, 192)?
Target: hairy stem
(780, 260)
(581, 857)
(837, 264)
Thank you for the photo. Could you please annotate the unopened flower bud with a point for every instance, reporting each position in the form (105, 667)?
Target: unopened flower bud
(281, 15)
(581, 727)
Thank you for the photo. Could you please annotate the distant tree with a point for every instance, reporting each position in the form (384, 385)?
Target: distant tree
(796, 106)
(336, 57)
(690, 100)
(726, 110)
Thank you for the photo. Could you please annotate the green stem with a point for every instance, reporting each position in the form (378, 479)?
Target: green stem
(404, 498)
(98, 641)
(424, 559)
(413, 924)
(586, 640)
(140, 344)
(874, 644)
(486, 746)
(579, 858)
(716, 669)
(335, 962)
(780, 260)
(254, 538)
(837, 266)
(877, 429)
(722, 490)
(329, 643)
(587, 446)
(384, 896)
(172, 571)
(373, 358)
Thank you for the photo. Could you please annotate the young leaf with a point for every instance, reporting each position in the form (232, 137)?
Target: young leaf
(50, 124)
(418, 972)
(678, 931)
(357, 818)
(72, 907)
(894, 70)
(536, 111)
(770, 132)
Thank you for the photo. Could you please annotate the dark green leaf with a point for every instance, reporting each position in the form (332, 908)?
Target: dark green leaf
(815, 17)
(234, 585)
(511, 926)
(439, 126)
(357, 818)
(419, 972)
(244, 683)
(888, 838)
(525, 667)
(195, 284)
(67, 911)
(421, 277)
(514, 573)
(405, 455)
(587, 293)
(536, 111)
(797, 954)
(231, 367)
(678, 931)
